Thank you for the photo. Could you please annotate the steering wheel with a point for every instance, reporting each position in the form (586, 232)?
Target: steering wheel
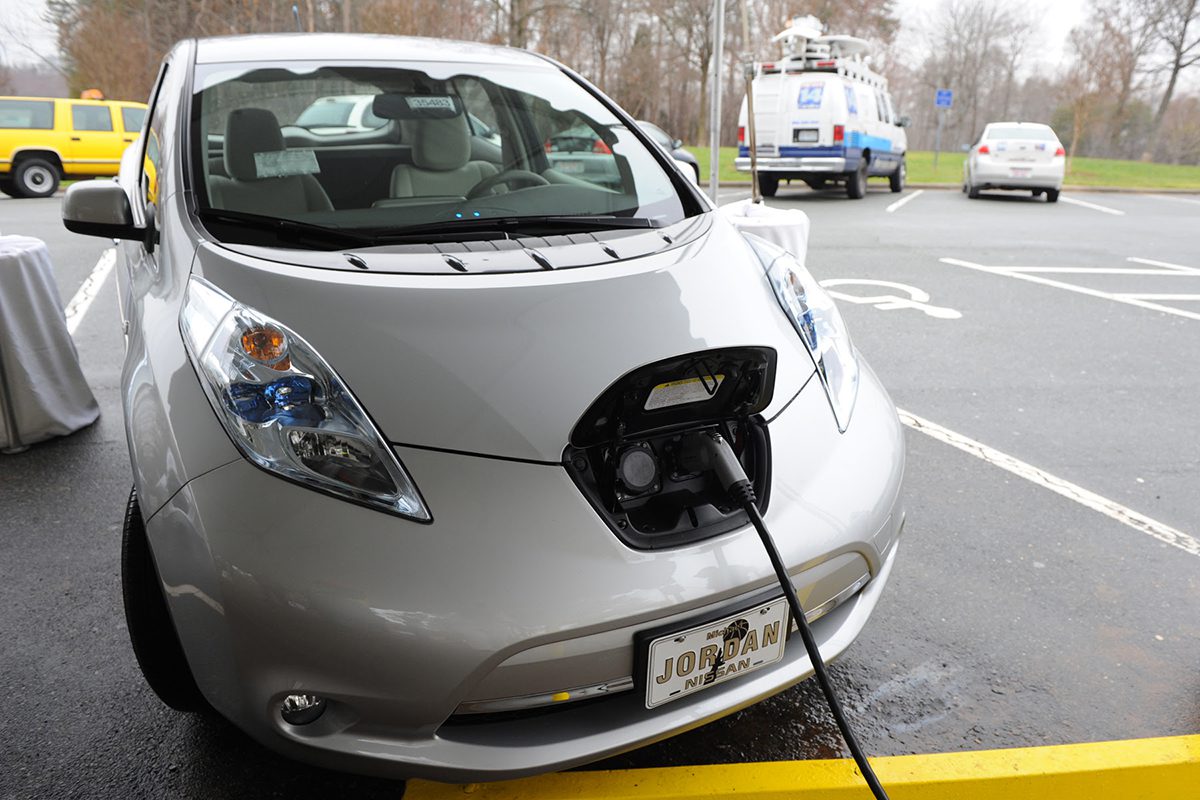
(508, 176)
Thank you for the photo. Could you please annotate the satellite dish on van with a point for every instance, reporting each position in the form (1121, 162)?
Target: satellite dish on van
(801, 28)
(844, 45)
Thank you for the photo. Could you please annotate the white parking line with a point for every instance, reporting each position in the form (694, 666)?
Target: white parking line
(1165, 265)
(1176, 199)
(91, 287)
(904, 200)
(1152, 296)
(1097, 271)
(1092, 206)
(1070, 287)
(1127, 516)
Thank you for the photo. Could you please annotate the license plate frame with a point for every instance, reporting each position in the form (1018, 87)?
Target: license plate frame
(765, 613)
(1020, 172)
(571, 166)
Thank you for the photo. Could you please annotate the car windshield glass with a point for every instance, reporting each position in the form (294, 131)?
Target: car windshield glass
(326, 112)
(657, 134)
(1035, 134)
(373, 148)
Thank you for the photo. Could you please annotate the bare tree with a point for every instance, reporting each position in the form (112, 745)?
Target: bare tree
(1128, 29)
(1177, 26)
(1086, 81)
(975, 48)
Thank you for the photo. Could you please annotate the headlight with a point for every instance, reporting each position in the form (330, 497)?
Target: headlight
(819, 323)
(286, 409)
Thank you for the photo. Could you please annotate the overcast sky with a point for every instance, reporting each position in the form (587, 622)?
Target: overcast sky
(22, 30)
(1055, 18)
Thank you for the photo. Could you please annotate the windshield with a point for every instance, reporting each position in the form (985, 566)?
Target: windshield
(657, 134)
(370, 150)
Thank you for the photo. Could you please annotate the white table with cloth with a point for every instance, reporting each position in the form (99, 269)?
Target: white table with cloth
(42, 389)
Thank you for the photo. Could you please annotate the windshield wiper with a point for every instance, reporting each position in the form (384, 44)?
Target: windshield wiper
(289, 230)
(519, 225)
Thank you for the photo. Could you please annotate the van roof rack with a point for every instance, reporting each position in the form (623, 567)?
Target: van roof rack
(806, 48)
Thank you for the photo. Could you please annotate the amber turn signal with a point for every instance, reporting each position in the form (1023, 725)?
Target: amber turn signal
(267, 345)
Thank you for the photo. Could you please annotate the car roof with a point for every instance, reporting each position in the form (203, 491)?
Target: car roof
(1019, 124)
(355, 47)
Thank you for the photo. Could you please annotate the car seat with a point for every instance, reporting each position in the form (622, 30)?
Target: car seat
(249, 131)
(442, 168)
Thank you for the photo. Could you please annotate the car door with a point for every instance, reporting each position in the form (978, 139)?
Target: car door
(94, 144)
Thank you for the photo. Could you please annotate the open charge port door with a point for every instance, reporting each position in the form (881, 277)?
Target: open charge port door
(628, 451)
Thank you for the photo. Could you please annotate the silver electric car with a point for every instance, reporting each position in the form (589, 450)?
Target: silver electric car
(412, 411)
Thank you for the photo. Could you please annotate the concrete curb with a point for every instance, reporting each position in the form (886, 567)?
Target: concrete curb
(1145, 769)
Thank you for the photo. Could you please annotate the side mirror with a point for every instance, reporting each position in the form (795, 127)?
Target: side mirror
(904, 121)
(99, 208)
(676, 144)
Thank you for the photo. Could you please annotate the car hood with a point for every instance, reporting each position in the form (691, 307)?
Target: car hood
(504, 363)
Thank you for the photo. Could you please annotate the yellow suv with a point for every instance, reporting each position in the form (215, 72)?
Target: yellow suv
(46, 139)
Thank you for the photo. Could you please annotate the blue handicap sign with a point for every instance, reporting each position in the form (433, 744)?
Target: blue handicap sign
(945, 98)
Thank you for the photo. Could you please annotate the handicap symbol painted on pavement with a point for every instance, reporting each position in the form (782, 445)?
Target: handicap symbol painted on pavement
(916, 299)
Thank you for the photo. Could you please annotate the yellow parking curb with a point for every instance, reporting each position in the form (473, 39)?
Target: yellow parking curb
(1139, 769)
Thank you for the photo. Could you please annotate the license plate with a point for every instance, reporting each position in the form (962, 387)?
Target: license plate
(804, 136)
(1020, 172)
(685, 662)
(572, 167)
(765, 150)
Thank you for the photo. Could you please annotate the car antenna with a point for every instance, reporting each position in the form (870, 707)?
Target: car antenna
(296, 14)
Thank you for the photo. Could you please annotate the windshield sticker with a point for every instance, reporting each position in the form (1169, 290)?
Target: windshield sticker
(810, 95)
(282, 163)
(430, 103)
(851, 101)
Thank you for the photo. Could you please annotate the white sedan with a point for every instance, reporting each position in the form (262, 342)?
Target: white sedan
(1016, 155)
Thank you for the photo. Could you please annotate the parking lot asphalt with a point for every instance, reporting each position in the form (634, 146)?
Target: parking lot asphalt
(1063, 336)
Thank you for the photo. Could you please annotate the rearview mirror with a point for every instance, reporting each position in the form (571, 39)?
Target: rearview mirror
(904, 121)
(99, 208)
(676, 144)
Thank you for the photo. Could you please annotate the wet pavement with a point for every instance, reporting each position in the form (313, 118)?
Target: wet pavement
(1014, 616)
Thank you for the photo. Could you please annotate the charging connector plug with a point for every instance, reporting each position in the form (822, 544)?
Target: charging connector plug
(708, 450)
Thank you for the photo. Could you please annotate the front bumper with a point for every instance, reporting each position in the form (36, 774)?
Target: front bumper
(810, 164)
(517, 587)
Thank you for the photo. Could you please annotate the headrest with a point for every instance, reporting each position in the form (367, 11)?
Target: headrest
(441, 144)
(249, 131)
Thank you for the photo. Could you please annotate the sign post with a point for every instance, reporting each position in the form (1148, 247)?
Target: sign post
(942, 100)
(714, 122)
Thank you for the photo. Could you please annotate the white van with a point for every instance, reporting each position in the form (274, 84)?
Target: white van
(822, 116)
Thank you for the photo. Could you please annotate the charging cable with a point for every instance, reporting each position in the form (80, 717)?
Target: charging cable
(709, 450)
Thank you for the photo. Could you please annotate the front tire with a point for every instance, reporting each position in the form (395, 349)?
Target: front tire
(897, 179)
(151, 631)
(1052, 195)
(35, 177)
(768, 185)
(856, 182)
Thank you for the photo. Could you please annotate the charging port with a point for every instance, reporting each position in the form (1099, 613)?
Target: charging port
(633, 454)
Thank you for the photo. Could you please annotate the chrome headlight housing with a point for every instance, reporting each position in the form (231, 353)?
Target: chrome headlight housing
(285, 408)
(817, 320)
